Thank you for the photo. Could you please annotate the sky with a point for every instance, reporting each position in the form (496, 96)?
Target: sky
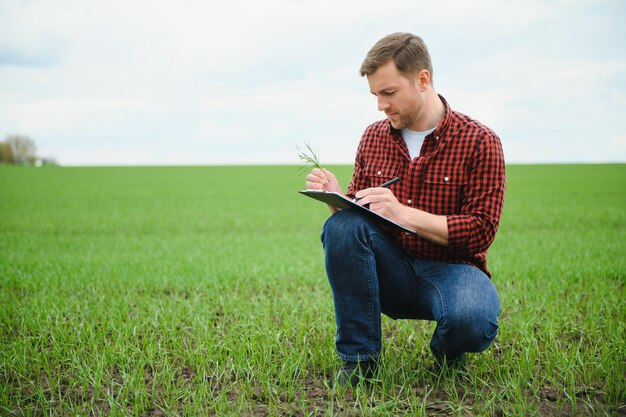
(196, 82)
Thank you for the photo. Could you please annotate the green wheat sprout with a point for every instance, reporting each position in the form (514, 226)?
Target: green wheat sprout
(309, 157)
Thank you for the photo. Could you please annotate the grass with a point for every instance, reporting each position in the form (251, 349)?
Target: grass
(201, 290)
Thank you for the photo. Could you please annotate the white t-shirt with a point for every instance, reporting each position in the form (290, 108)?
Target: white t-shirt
(414, 140)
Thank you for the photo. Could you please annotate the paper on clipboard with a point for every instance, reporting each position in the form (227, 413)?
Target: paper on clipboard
(342, 202)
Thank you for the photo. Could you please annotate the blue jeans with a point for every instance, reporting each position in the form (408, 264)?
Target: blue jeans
(370, 274)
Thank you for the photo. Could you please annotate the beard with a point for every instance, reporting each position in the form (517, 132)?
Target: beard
(407, 117)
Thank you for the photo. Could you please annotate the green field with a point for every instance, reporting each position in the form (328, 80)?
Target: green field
(201, 291)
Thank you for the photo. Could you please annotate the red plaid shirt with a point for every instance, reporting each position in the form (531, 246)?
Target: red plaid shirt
(459, 173)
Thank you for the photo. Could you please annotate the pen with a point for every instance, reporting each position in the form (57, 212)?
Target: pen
(388, 183)
(385, 185)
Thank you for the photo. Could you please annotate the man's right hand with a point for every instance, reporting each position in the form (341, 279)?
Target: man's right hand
(322, 179)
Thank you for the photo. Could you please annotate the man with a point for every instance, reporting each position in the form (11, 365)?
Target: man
(451, 191)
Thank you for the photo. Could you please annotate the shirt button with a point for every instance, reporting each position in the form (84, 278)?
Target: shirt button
(380, 172)
(446, 179)
(436, 137)
(407, 233)
(409, 201)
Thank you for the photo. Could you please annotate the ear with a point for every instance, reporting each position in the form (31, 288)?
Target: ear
(423, 79)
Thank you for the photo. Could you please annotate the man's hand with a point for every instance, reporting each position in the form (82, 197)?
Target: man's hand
(322, 179)
(381, 201)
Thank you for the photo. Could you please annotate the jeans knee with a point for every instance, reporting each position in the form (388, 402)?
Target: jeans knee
(474, 329)
(484, 333)
(342, 227)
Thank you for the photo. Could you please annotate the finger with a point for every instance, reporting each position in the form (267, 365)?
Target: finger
(319, 174)
(314, 183)
(328, 174)
(310, 185)
(316, 178)
(312, 177)
(364, 201)
(372, 191)
(374, 207)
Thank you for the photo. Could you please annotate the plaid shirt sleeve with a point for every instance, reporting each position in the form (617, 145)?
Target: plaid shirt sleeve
(358, 181)
(474, 228)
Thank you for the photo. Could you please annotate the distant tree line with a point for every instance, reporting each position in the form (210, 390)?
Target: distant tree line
(21, 150)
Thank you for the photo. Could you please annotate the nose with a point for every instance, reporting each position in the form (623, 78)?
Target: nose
(382, 104)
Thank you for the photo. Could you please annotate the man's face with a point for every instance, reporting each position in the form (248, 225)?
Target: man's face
(398, 96)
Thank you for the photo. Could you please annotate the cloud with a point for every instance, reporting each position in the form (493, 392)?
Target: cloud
(234, 82)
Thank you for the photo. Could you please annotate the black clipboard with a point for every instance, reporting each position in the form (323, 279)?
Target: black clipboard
(342, 202)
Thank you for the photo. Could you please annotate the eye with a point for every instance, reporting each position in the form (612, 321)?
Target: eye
(386, 93)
